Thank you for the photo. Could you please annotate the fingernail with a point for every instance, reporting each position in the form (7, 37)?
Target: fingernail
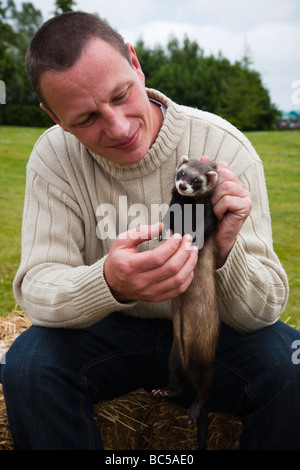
(188, 242)
(177, 237)
(188, 238)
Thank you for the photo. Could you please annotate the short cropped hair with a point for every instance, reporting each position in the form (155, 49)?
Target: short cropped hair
(59, 43)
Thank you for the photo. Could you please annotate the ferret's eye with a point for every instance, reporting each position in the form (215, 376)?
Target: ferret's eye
(180, 174)
(196, 181)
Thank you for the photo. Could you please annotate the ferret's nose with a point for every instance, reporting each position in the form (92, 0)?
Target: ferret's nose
(183, 187)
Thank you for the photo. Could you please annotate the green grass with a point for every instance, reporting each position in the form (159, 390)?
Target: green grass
(280, 152)
(15, 147)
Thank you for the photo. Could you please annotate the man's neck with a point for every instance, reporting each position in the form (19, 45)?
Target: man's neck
(158, 119)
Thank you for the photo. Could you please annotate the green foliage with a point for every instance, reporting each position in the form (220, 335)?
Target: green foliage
(19, 26)
(244, 101)
(181, 71)
(187, 76)
(63, 6)
(19, 115)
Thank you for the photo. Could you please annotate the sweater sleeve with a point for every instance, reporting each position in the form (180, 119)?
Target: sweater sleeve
(252, 286)
(53, 284)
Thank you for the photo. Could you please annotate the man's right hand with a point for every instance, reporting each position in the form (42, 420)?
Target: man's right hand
(153, 275)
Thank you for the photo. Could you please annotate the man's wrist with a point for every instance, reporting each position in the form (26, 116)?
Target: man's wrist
(222, 255)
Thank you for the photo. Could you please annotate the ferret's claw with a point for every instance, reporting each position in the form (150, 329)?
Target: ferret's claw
(162, 392)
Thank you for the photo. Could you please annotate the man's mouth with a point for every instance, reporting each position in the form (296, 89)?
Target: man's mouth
(128, 143)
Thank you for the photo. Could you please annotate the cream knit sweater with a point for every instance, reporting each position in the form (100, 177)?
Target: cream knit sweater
(60, 280)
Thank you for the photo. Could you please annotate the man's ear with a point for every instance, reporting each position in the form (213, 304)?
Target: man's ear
(53, 117)
(135, 61)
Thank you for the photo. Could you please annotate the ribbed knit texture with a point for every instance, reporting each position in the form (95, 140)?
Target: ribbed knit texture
(60, 281)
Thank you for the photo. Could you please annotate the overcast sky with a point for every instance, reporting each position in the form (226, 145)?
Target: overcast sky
(270, 29)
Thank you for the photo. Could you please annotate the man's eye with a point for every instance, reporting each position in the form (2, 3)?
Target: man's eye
(121, 98)
(88, 120)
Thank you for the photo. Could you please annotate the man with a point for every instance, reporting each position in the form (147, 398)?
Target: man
(100, 304)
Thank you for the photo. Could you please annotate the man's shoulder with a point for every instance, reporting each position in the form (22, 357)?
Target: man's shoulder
(211, 135)
(213, 121)
(56, 146)
(55, 155)
(56, 139)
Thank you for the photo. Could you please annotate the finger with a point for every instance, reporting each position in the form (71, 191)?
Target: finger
(172, 284)
(152, 285)
(229, 188)
(177, 283)
(174, 292)
(171, 255)
(225, 173)
(205, 158)
(222, 165)
(239, 205)
(228, 184)
(138, 235)
(177, 264)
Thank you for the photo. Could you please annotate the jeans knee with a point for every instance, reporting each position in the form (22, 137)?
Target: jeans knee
(25, 364)
(16, 369)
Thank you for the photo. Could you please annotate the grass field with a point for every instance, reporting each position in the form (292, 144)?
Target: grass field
(280, 152)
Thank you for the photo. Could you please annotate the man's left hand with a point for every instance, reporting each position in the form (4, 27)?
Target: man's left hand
(232, 204)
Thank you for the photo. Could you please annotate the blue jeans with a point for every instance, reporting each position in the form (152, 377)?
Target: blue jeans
(52, 377)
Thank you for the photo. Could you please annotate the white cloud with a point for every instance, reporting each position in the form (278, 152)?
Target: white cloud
(118, 12)
(271, 29)
(239, 14)
(210, 38)
(276, 42)
(273, 48)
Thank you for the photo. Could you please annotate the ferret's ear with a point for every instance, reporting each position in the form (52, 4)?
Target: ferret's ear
(212, 178)
(184, 159)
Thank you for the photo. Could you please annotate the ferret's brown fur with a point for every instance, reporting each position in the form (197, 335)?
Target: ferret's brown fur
(195, 313)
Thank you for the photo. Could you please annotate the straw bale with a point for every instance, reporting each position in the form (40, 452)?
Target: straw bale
(140, 421)
(135, 421)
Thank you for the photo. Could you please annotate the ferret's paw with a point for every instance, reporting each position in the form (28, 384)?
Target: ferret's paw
(162, 392)
(193, 412)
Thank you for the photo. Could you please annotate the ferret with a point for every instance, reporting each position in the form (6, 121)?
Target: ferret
(195, 314)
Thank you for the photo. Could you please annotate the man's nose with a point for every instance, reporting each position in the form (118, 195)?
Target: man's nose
(116, 125)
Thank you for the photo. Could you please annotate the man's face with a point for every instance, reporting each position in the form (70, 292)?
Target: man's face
(102, 101)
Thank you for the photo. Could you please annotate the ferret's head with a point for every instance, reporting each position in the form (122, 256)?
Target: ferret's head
(195, 178)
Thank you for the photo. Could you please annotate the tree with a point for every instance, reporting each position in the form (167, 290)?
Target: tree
(181, 71)
(7, 38)
(24, 24)
(63, 6)
(187, 76)
(244, 101)
(17, 28)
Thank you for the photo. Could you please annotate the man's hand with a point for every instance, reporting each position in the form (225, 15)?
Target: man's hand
(232, 205)
(153, 275)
